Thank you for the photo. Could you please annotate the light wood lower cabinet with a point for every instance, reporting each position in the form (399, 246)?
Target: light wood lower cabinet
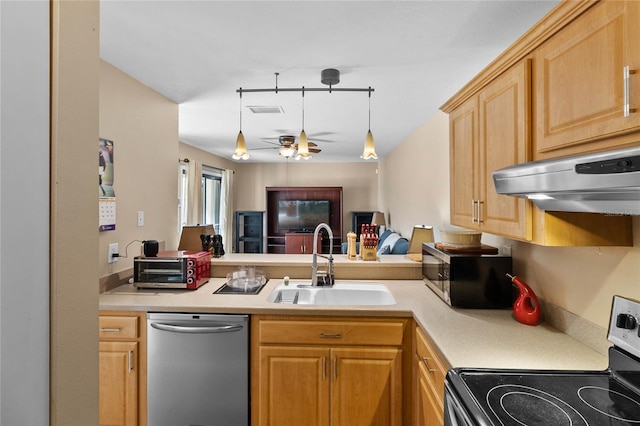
(318, 371)
(122, 372)
(430, 372)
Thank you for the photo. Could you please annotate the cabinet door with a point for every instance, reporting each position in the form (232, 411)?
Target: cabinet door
(504, 141)
(118, 383)
(463, 134)
(366, 387)
(300, 243)
(293, 386)
(430, 413)
(579, 80)
(294, 243)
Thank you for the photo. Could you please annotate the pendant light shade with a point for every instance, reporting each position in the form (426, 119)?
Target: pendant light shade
(303, 147)
(369, 152)
(303, 144)
(241, 147)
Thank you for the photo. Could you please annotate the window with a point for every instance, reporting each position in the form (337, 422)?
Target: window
(211, 192)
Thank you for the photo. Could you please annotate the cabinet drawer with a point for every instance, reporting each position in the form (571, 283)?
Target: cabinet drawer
(118, 327)
(434, 367)
(332, 332)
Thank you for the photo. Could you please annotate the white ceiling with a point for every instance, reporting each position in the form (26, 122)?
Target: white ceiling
(415, 54)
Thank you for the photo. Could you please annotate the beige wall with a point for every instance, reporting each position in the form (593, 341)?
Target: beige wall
(359, 182)
(414, 178)
(582, 280)
(143, 126)
(74, 214)
(192, 153)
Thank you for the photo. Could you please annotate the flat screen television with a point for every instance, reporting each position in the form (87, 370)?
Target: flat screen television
(302, 215)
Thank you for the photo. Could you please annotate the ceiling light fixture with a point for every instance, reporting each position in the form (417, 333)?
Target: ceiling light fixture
(287, 151)
(369, 148)
(330, 77)
(241, 147)
(303, 144)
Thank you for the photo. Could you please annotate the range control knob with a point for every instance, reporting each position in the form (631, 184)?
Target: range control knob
(626, 321)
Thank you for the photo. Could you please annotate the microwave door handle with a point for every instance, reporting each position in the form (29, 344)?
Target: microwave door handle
(223, 328)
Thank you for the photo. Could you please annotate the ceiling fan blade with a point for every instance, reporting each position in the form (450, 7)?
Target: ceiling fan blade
(308, 143)
(315, 150)
(321, 134)
(321, 140)
(277, 144)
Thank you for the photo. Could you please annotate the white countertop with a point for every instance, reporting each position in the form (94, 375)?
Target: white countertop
(466, 337)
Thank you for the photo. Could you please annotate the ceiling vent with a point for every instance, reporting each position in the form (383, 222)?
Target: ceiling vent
(266, 109)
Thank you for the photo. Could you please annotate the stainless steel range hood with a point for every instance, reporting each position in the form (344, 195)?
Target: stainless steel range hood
(607, 182)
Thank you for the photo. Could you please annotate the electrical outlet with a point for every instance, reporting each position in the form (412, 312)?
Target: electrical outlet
(506, 250)
(140, 218)
(113, 249)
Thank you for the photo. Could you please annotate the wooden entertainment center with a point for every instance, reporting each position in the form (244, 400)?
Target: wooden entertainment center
(301, 242)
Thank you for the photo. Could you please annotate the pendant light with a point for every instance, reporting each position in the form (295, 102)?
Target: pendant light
(369, 148)
(303, 144)
(241, 147)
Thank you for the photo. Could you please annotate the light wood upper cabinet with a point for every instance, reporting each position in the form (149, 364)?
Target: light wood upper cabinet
(557, 91)
(580, 83)
(488, 132)
(329, 371)
(463, 136)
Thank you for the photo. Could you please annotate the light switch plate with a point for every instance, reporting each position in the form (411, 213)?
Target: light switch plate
(140, 218)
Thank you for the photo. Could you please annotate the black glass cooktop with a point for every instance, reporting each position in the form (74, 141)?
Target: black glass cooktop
(553, 398)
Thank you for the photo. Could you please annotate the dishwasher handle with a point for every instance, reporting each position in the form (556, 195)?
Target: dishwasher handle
(223, 328)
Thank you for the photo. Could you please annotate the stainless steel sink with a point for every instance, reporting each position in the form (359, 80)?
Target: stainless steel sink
(342, 293)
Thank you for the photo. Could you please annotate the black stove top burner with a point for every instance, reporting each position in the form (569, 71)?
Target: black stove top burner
(489, 397)
(553, 398)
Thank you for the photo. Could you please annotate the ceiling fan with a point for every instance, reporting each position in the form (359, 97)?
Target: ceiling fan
(287, 146)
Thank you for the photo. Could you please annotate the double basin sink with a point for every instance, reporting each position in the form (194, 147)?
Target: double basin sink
(341, 293)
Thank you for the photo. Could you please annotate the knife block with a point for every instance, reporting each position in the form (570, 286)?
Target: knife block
(369, 253)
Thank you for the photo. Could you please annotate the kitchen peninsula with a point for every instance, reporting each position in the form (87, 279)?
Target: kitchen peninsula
(298, 266)
(395, 336)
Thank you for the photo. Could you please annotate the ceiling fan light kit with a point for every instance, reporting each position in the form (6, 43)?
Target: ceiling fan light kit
(330, 77)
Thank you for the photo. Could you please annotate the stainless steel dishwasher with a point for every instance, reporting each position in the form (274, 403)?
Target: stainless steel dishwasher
(197, 369)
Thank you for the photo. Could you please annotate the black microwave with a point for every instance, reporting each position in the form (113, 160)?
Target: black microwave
(468, 280)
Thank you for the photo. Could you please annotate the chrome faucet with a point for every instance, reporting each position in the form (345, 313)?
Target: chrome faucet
(328, 279)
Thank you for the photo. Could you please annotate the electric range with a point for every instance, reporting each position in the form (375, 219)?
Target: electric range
(487, 397)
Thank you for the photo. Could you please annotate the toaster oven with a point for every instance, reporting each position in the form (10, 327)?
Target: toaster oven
(468, 280)
(174, 269)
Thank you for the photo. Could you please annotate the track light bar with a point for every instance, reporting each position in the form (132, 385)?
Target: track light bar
(306, 89)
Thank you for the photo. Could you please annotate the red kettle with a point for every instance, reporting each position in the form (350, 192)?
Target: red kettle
(526, 308)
